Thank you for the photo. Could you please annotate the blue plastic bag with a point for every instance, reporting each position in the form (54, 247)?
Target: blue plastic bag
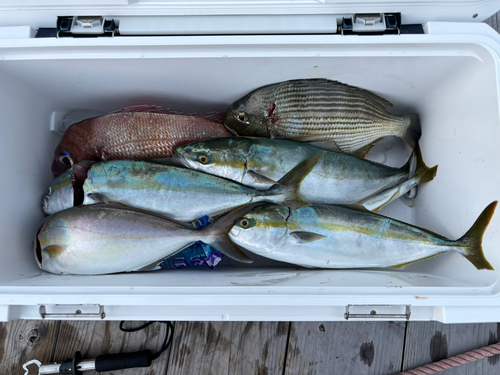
(198, 254)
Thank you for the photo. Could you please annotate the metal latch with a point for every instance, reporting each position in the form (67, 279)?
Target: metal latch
(371, 23)
(377, 312)
(82, 26)
(72, 311)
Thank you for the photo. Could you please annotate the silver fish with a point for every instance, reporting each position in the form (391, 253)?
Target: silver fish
(341, 237)
(351, 119)
(337, 178)
(178, 193)
(110, 238)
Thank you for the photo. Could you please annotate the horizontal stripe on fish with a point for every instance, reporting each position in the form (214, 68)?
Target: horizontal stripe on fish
(310, 109)
(177, 193)
(337, 179)
(341, 237)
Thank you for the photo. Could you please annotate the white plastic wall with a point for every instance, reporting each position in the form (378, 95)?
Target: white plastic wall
(450, 81)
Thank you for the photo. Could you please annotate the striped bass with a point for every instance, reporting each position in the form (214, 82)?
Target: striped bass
(349, 118)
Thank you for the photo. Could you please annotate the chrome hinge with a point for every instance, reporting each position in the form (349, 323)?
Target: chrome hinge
(72, 311)
(377, 312)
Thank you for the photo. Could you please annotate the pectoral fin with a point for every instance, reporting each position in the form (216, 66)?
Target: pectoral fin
(260, 179)
(306, 237)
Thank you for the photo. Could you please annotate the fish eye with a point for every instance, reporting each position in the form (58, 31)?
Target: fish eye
(246, 223)
(49, 190)
(203, 159)
(242, 116)
(66, 160)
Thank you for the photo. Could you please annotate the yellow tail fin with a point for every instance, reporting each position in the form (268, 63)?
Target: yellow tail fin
(471, 241)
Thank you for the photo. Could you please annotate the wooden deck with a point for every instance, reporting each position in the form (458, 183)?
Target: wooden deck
(257, 348)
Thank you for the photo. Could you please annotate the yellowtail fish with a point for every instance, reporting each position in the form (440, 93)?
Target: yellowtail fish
(341, 237)
(178, 193)
(349, 119)
(110, 238)
(337, 178)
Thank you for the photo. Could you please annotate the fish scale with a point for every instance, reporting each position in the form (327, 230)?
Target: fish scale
(320, 110)
(137, 136)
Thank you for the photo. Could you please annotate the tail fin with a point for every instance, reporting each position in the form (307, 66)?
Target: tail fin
(413, 132)
(423, 173)
(471, 241)
(288, 189)
(217, 234)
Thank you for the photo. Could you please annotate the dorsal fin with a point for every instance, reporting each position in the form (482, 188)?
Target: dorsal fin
(151, 108)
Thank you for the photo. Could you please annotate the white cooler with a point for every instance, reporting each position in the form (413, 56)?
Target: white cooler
(201, 56)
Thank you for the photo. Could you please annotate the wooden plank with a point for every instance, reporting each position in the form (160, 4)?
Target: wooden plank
(494, 21)
(232, 348)
(24, 340)
(345, 348)
(428, 342)
(95, 338)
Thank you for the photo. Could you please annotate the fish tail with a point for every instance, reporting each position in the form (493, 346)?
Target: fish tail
(471, 241)
(287, 191)
(423, 173)
(217, 234)
(413, 132)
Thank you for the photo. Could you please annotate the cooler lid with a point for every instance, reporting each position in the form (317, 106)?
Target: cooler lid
(42, 13)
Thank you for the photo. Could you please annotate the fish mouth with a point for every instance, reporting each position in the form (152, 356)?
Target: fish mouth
(181, 160)
(45, 204)
(38, 249)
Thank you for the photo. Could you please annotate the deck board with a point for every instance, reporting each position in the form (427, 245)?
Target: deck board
(428, 342)
(95, 338)
(317, 348)
(494, 21)
(232, 348)
(24, 340)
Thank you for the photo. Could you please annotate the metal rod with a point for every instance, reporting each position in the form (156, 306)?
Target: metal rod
(85, 365)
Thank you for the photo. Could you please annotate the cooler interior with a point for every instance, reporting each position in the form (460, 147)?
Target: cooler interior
(453, 87)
